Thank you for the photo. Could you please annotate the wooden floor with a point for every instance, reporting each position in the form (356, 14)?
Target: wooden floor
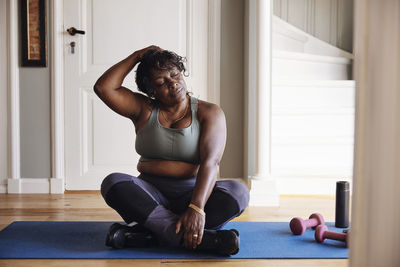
(90, 206)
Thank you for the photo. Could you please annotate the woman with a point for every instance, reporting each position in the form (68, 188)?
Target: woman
(176, 198)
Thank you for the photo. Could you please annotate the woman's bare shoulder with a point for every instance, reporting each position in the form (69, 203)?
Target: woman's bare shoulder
(208, 110)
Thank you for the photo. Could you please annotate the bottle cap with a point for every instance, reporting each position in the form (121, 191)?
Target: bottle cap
(342, 185)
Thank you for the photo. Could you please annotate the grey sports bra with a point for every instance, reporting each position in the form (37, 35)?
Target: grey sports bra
(156, 142)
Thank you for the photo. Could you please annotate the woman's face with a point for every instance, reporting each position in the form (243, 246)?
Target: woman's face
(169, 85)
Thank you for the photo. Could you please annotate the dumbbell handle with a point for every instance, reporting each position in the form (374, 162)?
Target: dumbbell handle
(335, 236)
(311, 222)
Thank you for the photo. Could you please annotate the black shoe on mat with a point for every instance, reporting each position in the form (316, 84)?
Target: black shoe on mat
(121, 236)
(223, 242)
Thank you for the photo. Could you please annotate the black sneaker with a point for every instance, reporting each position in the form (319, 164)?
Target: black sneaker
(116, 236)
(121, 236)
(223, 242)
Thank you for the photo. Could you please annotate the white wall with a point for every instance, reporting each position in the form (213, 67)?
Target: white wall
(3, 97)
(328, 20)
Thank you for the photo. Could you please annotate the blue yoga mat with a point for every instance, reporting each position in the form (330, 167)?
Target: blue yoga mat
(85, 240)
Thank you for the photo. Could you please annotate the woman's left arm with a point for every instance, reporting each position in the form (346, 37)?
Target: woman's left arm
(212, 145)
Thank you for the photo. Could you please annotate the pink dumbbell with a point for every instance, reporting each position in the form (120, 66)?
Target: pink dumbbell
(322, 233)
(299, 226)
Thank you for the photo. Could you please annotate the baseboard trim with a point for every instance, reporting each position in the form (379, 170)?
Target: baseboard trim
(35, 186)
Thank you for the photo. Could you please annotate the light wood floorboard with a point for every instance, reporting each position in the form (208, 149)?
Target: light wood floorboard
(90, 206)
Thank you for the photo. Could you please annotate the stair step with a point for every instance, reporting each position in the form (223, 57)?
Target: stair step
(294, 65)
(289, 55)
(309, 95)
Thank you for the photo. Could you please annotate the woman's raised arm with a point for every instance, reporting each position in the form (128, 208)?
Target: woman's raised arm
(110, 90)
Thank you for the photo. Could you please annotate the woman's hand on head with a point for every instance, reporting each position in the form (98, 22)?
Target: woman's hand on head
(143, 51)
(193, 228)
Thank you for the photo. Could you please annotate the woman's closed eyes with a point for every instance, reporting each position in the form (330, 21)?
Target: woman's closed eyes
(161, 82)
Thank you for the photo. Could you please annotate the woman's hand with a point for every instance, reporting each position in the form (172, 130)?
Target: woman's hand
(193, 227)
(143, 51)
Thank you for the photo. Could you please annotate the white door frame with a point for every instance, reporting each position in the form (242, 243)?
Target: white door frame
(14, 183)
(5, 98)
(57, 95)
(4, 133)
(57, 81)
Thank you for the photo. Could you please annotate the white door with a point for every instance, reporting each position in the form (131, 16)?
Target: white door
(97, 140)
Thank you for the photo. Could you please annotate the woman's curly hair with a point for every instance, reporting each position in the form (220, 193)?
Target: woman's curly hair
(158, 60)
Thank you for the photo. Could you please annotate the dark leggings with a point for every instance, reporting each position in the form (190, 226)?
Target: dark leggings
(157, 202)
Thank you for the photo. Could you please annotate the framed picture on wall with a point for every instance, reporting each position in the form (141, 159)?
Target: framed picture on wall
(33, 33)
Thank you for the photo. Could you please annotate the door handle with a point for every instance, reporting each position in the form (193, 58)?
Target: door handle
(73, 31)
